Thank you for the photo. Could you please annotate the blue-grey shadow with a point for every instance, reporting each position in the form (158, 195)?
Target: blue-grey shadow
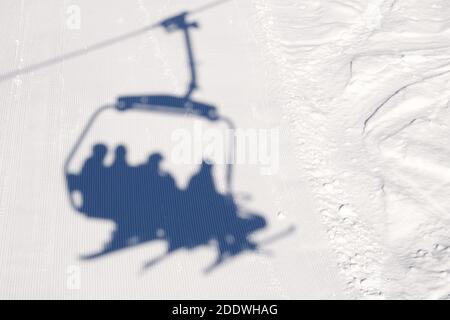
(146, 205)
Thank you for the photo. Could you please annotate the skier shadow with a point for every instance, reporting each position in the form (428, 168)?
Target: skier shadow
(146, 205)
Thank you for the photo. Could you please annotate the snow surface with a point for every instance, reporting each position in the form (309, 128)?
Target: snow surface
(358, 89)
(367, 93)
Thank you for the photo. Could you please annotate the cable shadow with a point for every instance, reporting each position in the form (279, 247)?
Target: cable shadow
(97, 46)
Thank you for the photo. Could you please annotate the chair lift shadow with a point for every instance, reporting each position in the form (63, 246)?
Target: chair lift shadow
(144, 202)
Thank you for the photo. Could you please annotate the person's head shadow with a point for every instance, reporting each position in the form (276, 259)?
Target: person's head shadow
(146, 205)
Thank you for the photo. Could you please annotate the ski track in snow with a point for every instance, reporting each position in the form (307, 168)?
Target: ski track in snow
(366, 87)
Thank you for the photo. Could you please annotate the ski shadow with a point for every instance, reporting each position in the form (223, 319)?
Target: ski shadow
(146, 205)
